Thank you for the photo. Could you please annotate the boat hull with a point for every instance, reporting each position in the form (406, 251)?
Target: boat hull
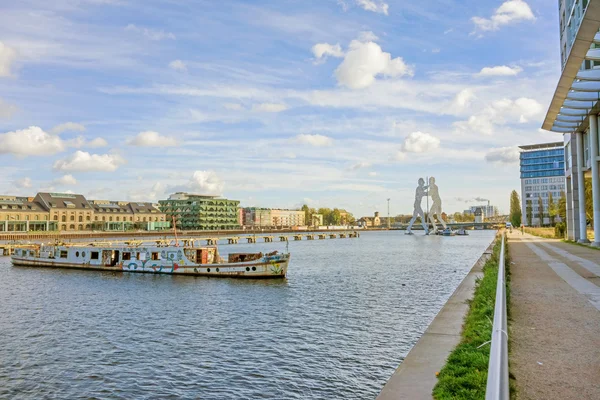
(268, 268)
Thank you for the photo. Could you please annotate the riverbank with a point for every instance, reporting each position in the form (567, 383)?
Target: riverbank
(416, 377)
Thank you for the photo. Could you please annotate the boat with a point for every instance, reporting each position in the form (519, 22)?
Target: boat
(163, 257)
(447, 232)
(462, 232)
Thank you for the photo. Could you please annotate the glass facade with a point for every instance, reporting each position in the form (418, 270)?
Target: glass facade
(542, 163)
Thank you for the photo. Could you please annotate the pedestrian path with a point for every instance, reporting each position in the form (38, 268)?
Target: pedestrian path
(555, 319)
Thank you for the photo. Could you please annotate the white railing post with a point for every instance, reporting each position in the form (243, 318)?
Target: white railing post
(497, 381)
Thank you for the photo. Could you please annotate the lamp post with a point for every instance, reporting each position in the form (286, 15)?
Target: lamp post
(388, 218)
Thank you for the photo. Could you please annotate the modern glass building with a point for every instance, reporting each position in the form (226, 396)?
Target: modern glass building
(200, 212)
(574, 111)
(542, 175)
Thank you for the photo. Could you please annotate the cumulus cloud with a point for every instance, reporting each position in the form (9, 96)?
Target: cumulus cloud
(511, 11)
(7, 57)
(23, 183)
(364, 61)
(322, 50)
(205, 182)
(314, 140)
(233, 106)
(462, 100)
(420, 142)
(80, 141)
(97, 142)
(6, 110)
(65, 180)
(269, 107)
(178, 65)
(68, 127)
(32, 141)
(501, 70)
(82, 161)
(505, 155)
(501, 112)
(151, 34)
(152, 139)
(374, 6)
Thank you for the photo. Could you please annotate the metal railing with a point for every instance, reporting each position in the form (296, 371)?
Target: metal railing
(497, 380)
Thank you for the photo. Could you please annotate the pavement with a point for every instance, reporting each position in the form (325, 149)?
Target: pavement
(416, 376)
(554, 319)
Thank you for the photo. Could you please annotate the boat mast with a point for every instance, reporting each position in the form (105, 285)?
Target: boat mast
(175, 230)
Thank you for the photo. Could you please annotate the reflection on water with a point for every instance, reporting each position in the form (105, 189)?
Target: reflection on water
(348, 313)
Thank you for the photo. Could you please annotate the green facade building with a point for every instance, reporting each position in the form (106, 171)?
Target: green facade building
(200, 212)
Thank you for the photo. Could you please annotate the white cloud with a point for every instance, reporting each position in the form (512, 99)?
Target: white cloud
(506, 155)
(65, 180)
(269, 107)
(462, 100)
(501, 112)
(68, 127)
(152, 139)
(420, 142)
(501, 70)
(7, 57)
(314, 140)
(364, 61)
(509, 12)
(6, 110)
(178, 65)
(82, 161)
(360, 165)
(372, 173)
(97, 142)
(205, 182)
(367, 36)
(29, 142)
(233, 106)
(151, 34)
(374, 6)
(23, 183)
(321, 50)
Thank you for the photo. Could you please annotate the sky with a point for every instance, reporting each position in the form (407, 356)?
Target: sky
(276, 103)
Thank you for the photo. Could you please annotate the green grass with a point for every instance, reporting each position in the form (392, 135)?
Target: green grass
(465, 374)
(587, 246)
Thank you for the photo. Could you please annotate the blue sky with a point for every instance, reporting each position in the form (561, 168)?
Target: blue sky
(275, 103)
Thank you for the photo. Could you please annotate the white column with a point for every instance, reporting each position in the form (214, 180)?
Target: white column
(595, 179)
(581, 189)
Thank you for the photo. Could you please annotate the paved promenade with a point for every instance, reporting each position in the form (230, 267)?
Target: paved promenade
(555, 313)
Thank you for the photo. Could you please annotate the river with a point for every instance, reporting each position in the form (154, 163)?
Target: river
(336, 328)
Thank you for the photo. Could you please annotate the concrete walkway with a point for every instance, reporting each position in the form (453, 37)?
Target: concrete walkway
(555, 314)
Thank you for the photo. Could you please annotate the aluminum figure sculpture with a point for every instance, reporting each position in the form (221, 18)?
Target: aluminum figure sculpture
(418, 212)
(436, 207)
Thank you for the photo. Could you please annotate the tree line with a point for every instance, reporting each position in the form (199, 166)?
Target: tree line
(330, 216)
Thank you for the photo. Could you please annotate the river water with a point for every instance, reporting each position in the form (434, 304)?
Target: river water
(337, 328)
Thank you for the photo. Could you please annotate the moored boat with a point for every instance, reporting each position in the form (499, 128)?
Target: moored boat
(159, 258)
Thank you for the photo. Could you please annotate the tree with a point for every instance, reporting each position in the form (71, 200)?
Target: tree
(515, 209)
(541, 210)
(307, 216)
(529, 213)
(562, 207)
(552, 208)
(589, 204)
(336, 217)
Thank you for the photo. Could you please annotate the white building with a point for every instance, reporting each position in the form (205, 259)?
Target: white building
(574, 110)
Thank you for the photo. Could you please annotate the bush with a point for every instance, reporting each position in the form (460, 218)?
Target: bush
(560, 229)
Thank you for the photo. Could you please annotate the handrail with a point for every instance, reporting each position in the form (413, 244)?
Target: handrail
(497, 380)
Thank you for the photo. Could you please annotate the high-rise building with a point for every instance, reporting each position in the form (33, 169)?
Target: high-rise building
(574, 110)
(542, 174)
(201, 212)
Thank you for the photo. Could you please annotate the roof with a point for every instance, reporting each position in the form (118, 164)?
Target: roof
(63, 201)
(542, 146)
(22, 206)
(573, 100)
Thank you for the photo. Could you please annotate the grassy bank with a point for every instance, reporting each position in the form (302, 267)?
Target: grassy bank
(547, 233)
(465, 374)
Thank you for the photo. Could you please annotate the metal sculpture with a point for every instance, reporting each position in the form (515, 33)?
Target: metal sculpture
(436, 207)
(418, 212)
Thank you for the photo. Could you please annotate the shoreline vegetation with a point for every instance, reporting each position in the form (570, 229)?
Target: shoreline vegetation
(465, 374)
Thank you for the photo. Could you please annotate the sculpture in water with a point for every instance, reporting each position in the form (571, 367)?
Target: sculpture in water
(418, 212)
(436, 207)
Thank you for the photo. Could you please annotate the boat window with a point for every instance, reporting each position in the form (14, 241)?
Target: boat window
(63, 254)
(83, 254)
(94, 255)
(126, 256)
(155, 256)
(76, 254)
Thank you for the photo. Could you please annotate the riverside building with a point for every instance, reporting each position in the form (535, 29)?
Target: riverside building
(574, 111)
(273, 217)
(201, 212)
(542, 173)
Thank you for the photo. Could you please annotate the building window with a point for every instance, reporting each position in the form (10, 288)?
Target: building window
(37, 217)
(80, 218)
(72, 218)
